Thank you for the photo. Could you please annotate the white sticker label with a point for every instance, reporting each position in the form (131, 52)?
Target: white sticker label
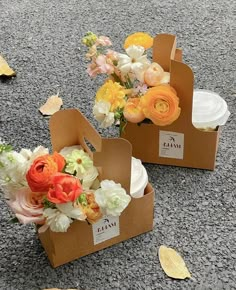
(106, 228)
(171, 144)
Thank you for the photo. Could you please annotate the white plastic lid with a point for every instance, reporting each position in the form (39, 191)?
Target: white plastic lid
(209, 109)
(139, 178)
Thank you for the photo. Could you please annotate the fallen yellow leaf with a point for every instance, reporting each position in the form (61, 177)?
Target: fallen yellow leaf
(172, 263)
(52, 105)
(5, 70)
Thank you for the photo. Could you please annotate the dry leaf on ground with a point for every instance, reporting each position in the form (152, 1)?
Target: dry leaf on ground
(5, 69)
(52, 105)
(172, 263)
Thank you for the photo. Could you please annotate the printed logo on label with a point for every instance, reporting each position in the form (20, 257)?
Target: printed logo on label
(171, 144)
(106, 228)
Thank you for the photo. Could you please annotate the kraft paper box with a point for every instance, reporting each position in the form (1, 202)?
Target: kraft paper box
(112, 157)
(180, 143)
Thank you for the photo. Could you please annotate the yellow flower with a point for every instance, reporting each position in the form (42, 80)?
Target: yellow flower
(113, 93)
(139, 38)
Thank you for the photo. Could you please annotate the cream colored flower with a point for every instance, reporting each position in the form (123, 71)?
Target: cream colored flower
(111, 198)
(78, 162)
(102, 114)
(134, 62)
(66, 151)
(89, 178)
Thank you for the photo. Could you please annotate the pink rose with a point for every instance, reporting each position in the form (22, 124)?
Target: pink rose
(66, 188)
(28, 206)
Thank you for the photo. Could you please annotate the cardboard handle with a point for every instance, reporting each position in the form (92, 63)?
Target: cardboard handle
(70, 127)
(112, 156)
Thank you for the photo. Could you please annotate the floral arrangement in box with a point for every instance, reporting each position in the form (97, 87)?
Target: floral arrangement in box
(137, 89)
(53, 190)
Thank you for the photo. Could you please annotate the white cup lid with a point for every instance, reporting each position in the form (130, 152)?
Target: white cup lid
(209, 109)
(139, 178)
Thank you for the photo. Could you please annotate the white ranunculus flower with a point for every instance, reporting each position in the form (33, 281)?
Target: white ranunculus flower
(60, 218)
(72, 212)
(89, 177)
(134, 62)
(68, 150)
(31, 156)
(56, 220)
(111, 198)
(102, 114)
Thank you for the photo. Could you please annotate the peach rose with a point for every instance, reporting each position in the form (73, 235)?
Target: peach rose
(65, 188)
(133, 111)
(40, 173)
(91, 208)
(155, 75)
(28, 206)
(161, 105)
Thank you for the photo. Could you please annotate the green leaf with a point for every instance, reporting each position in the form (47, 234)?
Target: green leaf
(14, 220)
(82, 199)
(5, 148)
(48, 204)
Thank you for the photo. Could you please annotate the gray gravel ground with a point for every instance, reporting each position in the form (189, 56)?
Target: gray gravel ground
(194, 209)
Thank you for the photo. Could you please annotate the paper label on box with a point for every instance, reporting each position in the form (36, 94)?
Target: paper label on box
(171, 144)
(106, 228)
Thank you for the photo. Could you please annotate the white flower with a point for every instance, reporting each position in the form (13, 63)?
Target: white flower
(134, 62)
(31, 156)
(73, 212)
(13, 168)
(57, 221)
(89, 177)
(60, 218)
(111, 198)
(102, 114)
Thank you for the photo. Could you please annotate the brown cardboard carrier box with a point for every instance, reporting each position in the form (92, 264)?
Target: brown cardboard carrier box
(112, 157)
(179, 144)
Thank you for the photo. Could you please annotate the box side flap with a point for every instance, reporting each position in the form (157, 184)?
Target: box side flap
(115, 161)
(182, 79)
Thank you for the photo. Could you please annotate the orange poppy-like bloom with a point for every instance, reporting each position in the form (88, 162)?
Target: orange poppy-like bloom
(161, 105)
(139, 38)
(65, 188)
(133, 111)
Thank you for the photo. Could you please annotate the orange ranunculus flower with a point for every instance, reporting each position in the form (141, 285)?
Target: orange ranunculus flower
(133, 111)
(161, 105)
(65, 188)
(40, 173)
(92, 209)
(139, 38)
